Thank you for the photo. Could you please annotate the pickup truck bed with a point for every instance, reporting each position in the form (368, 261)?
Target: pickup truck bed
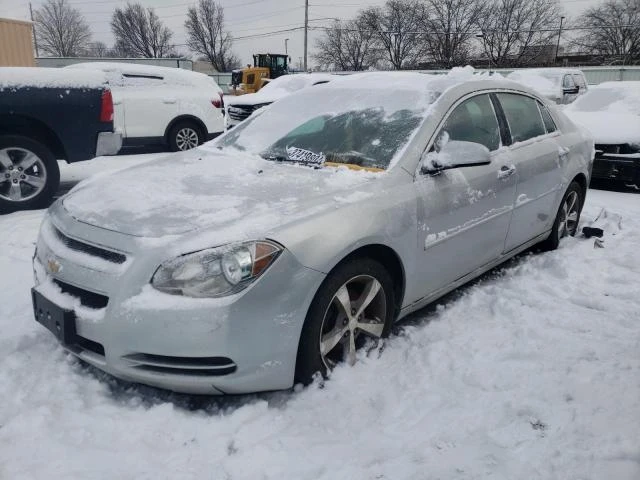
(48, 115)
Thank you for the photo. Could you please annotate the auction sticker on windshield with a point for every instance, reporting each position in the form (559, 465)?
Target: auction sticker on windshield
(305, 156)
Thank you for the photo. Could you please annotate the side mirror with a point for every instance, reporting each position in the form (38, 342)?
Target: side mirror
(571, 91)
(455, 154)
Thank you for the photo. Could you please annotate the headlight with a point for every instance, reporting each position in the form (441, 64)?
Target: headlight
(215, 272)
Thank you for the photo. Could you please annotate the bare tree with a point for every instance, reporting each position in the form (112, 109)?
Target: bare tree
(97, 49)
(206, 35)
(450, 27)
(399, 26)
(139, 32)
(612, 30)
(348, 46)
(61, 30)
(516, 32)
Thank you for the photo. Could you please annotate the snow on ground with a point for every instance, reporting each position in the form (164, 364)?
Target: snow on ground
(533, 372)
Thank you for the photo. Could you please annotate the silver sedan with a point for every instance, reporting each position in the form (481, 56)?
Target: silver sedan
(281, 248)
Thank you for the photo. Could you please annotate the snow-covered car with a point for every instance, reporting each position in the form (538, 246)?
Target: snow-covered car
(560, 85)
(241, 107)
(611, 113)
(163, 106)
(280, 248)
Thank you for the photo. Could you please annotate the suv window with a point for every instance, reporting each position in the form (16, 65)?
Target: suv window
(579, 80)
(549, 124)
(523, 116)
(567, 82)
(474, 121)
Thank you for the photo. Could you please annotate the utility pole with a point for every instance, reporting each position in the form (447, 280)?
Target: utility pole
(306, 31)
(558, 44)
(33, 30)
(286, 50)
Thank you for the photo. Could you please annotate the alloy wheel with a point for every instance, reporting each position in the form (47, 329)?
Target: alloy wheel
(569, 215)
(22, 174)
(186, 138)
(356, 312)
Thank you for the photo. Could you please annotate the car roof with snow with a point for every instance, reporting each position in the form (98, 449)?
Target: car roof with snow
(281, 87)
(462, 80)
(176, 75)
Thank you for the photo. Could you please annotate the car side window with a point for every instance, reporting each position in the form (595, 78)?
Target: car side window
(523, 116)
(549, 124)
(567, 81)
(579, 80)
(136, 80)
(474, 121)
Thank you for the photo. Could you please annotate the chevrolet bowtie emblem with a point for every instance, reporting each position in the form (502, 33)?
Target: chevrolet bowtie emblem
(53, 266)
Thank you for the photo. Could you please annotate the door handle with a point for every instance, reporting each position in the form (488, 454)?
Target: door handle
(169, 100)
(506, 171)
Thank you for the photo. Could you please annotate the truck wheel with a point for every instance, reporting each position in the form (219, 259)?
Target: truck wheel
(29, 174)
(185, 136)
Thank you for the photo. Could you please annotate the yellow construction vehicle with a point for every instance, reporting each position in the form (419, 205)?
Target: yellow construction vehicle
(266, 66)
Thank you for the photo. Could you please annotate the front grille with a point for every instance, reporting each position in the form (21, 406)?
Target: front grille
(195, 366)
(87, 298)
(108, 255)
(240, 112)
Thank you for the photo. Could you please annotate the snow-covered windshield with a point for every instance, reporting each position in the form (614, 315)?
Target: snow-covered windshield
(614, 98)
(366, 128)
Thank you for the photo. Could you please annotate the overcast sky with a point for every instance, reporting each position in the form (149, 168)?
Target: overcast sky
(244, 18)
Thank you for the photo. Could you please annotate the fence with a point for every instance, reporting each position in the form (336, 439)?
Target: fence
(57, 62)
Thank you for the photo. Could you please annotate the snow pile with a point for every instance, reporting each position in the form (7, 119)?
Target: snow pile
(530, 373)
(49, 78)
(610, 112)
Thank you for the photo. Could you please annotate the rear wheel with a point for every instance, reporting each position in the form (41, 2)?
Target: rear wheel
(185, 136)
(29, 174)
(568, 216)
(354, 304)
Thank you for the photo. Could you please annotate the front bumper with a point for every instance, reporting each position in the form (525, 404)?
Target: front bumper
(109, 143)
(620, 167)
(238, 344)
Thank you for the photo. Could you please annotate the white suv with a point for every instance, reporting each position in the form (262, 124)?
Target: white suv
(160, 105)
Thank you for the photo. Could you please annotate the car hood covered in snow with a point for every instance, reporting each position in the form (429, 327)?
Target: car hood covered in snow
(609, 128)
(235, 194)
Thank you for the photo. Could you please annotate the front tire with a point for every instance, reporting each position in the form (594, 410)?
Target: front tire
(356, 302)
(567, 218)
(29, 174)
(185, 136)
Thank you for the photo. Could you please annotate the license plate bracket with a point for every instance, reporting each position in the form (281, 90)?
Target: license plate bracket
(59, 321)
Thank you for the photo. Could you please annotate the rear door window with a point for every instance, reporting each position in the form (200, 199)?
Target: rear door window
(474, 121)
(523, 117)
(549, 124)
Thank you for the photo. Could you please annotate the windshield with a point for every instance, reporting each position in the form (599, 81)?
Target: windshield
(365, 128)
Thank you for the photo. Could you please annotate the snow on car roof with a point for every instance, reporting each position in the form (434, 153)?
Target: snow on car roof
(49, 77)
(180, 75)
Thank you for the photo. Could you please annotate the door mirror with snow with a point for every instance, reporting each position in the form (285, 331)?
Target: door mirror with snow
(454, 154)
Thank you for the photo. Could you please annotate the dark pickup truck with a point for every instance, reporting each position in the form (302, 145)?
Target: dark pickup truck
(48, 115)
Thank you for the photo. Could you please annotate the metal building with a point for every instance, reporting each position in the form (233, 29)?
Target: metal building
(16, 43)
